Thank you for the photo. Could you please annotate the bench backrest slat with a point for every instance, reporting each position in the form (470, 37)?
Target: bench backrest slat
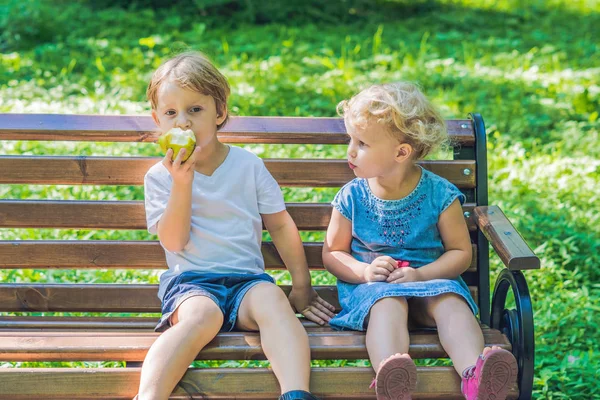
(76, 214)
(91, 254)
(121, 128)
(131, 171)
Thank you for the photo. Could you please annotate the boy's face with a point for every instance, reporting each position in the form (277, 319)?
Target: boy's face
(373, 152)
(187, 109)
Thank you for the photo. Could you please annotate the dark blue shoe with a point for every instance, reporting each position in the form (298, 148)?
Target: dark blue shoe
(297, 395)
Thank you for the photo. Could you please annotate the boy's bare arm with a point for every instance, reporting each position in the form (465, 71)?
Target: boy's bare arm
(336, 251)
(175, 224)
(287, 240)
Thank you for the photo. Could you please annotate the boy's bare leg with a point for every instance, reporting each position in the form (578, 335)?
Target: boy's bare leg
(195, 323)
(387, 332)
(459, 331)
(283, 338)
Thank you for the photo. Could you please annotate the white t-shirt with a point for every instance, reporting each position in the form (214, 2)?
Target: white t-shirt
(226, 226)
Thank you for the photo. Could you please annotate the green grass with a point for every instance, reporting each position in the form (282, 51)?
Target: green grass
(531, 71)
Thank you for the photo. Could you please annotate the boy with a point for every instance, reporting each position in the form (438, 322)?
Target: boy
(208, 213)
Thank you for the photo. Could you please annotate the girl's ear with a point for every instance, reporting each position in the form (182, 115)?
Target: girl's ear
(404, 151)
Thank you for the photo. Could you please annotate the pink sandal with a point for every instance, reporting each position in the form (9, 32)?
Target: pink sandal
(491, 377)
(396, 378)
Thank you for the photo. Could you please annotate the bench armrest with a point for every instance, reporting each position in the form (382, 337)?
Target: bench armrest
(505, 239)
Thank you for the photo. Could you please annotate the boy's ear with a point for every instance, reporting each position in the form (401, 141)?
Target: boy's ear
(404, 151)
(155, 117)
(221, 115)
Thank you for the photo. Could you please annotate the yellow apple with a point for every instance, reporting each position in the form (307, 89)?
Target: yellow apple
(177, 139)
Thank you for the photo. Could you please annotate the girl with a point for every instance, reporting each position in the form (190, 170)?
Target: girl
(397, 239)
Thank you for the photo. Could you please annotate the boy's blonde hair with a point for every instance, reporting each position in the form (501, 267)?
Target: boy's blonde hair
(403, 110)
(192, 70)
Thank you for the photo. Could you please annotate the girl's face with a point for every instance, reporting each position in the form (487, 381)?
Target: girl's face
(373, 152)
(184, 108)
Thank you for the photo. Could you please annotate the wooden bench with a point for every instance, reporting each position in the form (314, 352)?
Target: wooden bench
(109, 332)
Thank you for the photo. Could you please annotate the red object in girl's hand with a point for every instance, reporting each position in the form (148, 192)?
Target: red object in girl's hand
(402, 264)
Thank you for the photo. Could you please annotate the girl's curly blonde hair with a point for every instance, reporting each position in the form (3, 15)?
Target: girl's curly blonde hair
(403, 110)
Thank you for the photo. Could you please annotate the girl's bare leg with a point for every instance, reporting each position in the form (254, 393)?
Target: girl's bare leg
(458, 329)
(387, 332)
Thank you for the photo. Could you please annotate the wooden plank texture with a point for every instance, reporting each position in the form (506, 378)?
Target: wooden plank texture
(124, 254)
(127, 128)
(134, 298)
(131, 170)
(119, 214)
(213, 383)
(76, 324)
(325, 343)
(11, 325)
(131, 214)
(505, 239)
(79, 254)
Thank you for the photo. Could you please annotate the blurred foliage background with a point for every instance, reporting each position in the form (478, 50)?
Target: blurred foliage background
(531, 68)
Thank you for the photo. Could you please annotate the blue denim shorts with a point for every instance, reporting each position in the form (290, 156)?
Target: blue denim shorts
(226, 290)
(357, 299)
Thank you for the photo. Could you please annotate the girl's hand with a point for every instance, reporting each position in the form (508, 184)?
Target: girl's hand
(181, 172)
(380, 269)
(308, 303)
(405, 274)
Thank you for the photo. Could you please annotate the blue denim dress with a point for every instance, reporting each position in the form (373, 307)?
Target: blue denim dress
(404, 229)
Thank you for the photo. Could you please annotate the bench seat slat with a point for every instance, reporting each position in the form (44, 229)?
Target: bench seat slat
(213, 383)
(31, 325)
(76, 324)
(114, 326)
(83, 325)
(124, 254)
(76, 214)
(134, 298)
(325, 343)
(120, 128)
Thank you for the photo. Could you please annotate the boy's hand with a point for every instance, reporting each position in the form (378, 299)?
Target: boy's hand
(406, 274)
(181, 172)
(380, 269)
(308, 303)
